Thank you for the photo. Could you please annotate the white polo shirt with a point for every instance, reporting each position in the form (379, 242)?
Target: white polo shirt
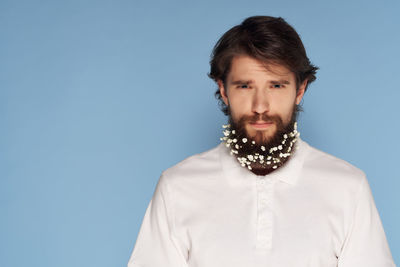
(315, 211)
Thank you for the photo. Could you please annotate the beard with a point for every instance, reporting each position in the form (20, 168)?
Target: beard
(248, 147)
(259, 138)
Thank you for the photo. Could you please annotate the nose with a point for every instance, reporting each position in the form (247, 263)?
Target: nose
(260, 101)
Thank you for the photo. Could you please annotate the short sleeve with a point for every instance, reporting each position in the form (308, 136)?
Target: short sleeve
(365, 244)
(156, 245)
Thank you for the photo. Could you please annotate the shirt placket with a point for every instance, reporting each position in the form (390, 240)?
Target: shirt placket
(265, 222)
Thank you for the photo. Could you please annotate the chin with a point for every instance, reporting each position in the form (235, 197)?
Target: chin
(261, 136)
(266, 133)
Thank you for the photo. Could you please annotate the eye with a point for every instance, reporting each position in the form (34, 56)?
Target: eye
(278, 86)
(243, 86)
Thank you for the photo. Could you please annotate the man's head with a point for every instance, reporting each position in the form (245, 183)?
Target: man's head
(262, 72)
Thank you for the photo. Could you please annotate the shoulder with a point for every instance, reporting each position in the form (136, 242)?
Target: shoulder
(323, 160)
(333, 180)
(326, 167)
(202, 164)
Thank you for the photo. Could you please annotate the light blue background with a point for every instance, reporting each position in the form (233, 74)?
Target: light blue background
(98, 97)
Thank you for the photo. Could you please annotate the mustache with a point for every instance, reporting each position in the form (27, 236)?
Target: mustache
(260, 117)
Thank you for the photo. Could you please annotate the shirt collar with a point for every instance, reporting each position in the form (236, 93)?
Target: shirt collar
(288, 173)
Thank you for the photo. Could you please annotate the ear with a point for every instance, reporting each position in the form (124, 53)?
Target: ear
(300, 92)
(223, 92)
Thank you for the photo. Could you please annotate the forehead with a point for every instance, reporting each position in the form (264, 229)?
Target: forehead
(245, 66)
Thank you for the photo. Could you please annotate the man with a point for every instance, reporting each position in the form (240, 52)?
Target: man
(263, 197)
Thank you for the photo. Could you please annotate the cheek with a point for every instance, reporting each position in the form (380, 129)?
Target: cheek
(235, 110)
(239, 105)
(284, 107)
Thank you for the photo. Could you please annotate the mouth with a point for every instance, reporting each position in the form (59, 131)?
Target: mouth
(261, 124)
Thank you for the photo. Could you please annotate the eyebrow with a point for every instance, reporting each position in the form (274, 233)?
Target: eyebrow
(280, 82)
(242, 82)
(251, 81)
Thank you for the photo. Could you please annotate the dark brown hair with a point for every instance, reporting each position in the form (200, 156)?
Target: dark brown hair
(268, 39)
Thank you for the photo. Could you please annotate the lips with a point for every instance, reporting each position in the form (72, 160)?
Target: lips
(261, 125)
(261, 122)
